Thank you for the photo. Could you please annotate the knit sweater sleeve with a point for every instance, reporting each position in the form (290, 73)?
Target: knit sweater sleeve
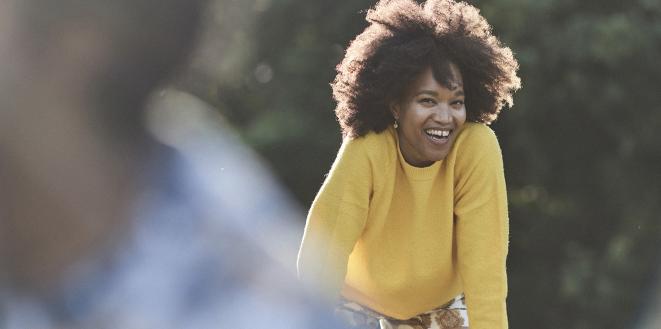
(482, 228)
(336, 220)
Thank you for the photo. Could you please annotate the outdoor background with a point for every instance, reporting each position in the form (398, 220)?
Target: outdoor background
(581, 152)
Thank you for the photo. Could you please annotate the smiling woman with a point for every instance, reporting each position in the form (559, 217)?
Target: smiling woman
(410, 227)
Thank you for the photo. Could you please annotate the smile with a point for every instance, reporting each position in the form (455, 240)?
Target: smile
(438, 136)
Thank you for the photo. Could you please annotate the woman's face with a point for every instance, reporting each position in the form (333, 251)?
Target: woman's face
(429, 117)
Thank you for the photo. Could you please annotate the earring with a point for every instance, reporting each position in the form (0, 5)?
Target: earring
(396, 124)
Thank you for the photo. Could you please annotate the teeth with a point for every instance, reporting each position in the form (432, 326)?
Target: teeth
(438, 132)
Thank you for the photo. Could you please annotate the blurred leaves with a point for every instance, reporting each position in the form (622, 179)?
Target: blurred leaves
(583, 250)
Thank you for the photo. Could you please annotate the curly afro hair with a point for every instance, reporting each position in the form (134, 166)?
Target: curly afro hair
(402, 40)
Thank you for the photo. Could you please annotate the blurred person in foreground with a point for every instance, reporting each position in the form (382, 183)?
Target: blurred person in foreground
(650, 317)
(414, 208)
(106, 222)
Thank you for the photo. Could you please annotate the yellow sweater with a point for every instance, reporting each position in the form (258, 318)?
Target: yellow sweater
(403, 240)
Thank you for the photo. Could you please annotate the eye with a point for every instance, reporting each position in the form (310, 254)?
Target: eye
(458, 103)
(427, 101)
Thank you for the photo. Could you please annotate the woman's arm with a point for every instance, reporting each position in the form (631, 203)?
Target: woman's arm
(482, 228)
(336, 220)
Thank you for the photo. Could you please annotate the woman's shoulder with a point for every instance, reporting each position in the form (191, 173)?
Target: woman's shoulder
(376, 145)
(476, 142)
(365, 153)
(476, 135)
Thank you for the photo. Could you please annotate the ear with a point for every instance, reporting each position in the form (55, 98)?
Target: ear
(394, 109)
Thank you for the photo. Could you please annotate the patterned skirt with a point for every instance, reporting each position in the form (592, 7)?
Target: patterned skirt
(451, 315)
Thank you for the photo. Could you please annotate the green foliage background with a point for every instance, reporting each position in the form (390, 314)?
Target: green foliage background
(582, 159)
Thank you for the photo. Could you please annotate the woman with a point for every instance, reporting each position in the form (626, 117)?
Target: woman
(413, 214)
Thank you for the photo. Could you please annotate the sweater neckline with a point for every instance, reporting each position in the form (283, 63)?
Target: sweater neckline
(413, 172)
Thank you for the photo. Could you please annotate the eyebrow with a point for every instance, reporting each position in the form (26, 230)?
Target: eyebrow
(457, 93)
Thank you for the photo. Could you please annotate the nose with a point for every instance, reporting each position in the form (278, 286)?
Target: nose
(443, 114)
